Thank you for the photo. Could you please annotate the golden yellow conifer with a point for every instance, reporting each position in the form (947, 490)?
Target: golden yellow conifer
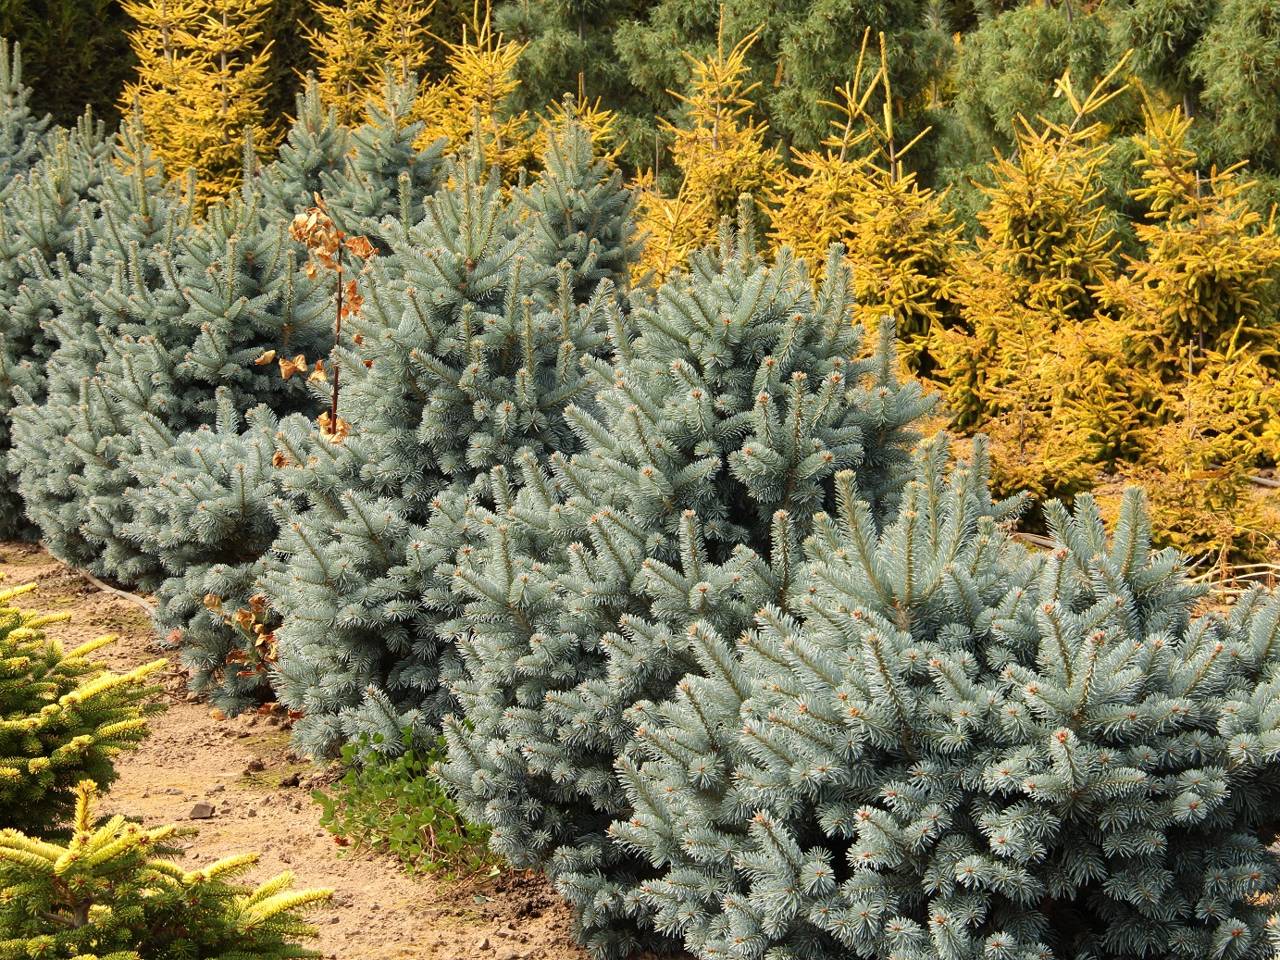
(1161, 371)
(1011, 365)
(673, 227)
(1045, 225)
(201, 85)
(1209, 280)
(901, 240)
(1197, 462)
(473, 99)
(401, 36)
(1198, 314)
(721, 151)
(358, 40)
(721, 154)
(166, 69)
(346, 62)
(1013, 373)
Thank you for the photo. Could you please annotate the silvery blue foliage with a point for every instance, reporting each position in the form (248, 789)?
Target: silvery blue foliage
(716, 427)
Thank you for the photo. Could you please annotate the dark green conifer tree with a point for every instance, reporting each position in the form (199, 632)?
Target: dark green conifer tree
(1237, 64)
(1215, 58)
(632, 56)
(1163, 34)
(76, 54)
(806, 49)
(1009, 64)
(569, 47)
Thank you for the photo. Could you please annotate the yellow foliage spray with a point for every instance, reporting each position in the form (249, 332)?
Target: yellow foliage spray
(473, 100)
(1009, 367)
(721, 153)
(900, 238)
(201, 85)
(1199, 313)
(358, 41)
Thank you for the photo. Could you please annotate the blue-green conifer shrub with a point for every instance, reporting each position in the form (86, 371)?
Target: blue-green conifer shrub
(22, 131)
(948, 747)
(711, 434)
(116, 285)
(467, 351)
(204, 504)
(200, 503)
(43, 216)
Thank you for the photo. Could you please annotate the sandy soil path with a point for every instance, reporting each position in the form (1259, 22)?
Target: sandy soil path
(240, 766)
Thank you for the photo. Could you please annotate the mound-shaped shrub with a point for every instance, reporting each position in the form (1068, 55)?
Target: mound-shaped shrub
(41, 215)
(118, 279)
(105, 894)
(200, 503)
(466, 350)
(62, 717)
(946, 746)
(192, 508)
(165, 311)
(709, 437)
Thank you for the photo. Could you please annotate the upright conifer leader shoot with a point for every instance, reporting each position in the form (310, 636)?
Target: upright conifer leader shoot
(22, 132)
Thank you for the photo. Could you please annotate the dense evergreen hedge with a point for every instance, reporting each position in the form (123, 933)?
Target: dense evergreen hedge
(713, 639)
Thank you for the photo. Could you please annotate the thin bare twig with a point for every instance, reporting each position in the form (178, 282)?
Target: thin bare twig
(143, 602)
